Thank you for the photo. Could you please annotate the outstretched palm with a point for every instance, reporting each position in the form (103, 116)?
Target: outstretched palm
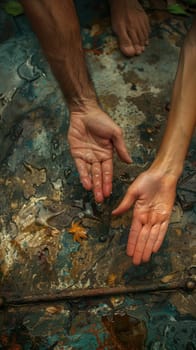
(154, 197)
(92, 138)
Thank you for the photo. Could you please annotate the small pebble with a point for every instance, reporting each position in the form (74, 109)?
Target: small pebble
(102, 238)
(190, 285)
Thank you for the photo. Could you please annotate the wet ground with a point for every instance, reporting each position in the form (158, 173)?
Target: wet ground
(66, 282)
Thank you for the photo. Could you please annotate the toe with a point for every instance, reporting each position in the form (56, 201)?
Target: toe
(136, 42)
(142, 30)
(126, 45)
(128, 50)
(139, 49)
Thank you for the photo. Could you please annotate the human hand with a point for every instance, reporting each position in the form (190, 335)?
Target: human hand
(153, 195)
(92, 137)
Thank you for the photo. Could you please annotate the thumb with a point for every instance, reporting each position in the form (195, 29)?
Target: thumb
(128, 200)
(120, 147)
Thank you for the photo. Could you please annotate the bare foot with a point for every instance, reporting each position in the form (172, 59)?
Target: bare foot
(130, 23)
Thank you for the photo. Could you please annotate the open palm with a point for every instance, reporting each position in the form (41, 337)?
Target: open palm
(154, 197)
(92, 138)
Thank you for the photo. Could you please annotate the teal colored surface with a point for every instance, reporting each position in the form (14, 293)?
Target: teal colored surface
(78, 324)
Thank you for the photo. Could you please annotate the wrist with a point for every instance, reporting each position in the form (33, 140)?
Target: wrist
(167, 168)
(83, 105)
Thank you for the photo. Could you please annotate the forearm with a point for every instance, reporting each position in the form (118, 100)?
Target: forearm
(57, 28)
(182, 115)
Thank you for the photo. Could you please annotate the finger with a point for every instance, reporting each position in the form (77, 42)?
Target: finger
(140, 245)
(127, 201)
(120, 146)
(135, 230)
(107, 174)
(161, 236)
(150, 242)
(85, 177)
(97, 181)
